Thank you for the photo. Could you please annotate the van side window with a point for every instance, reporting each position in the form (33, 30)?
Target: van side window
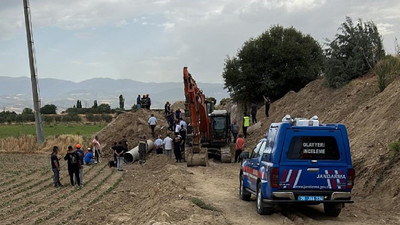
(313, 147)
(256, 150)
(271, 136)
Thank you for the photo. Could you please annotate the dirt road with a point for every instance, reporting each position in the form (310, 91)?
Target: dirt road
(219, 184)
(161, 192)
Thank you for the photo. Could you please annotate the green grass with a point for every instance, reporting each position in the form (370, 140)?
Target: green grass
(18, 130)
(200, 203)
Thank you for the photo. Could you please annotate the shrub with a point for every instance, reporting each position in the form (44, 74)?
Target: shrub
(200, 203)
(386, 69)
(395, 147)
(106, 117)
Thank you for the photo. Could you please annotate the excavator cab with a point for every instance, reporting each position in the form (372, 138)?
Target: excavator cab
(220, 127)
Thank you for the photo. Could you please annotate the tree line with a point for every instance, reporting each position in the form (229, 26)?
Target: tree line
(283, 59)
(96, 113)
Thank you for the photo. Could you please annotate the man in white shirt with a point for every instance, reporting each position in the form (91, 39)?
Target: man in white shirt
(177, 127)
(183, 123)
(152, 122)
(168, 146)
(158, 143)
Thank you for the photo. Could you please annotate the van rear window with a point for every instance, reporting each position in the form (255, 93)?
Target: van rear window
(313, 147)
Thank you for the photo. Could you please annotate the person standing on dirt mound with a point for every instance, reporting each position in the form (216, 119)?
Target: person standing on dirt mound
(182, 123)
(158, 143)
(152, 122)
(138, 102)
(167, 142)
(254, 113)
(144, 102)
(73, 166)
(246, 124)
(142, 149)
(177, 147)
(119, 154)
(148, 101)
(124, 143)
(267, 103)
(178, 113)
(96, 147)
(55, 165)
(167, 108)
(81, 155)
(239, 148)
(171, 121)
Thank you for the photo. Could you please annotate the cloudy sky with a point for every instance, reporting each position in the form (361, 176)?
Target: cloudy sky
(152, 40)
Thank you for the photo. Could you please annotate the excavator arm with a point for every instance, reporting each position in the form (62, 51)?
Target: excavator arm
(196, 113)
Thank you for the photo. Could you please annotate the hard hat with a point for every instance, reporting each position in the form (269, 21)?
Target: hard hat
(78, 145)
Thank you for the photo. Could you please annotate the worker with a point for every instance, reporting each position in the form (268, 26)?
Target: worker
(167, 142)
(142, 149)
(148, 101)
(267, 103)
(152, 122)
(234, 130)
(239, 148)
(177, 141)
(253, 113)
(158, 143)
(138, 102)
(246, 124)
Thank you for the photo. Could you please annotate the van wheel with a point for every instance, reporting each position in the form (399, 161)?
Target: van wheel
(243, 193)
(333, 209)
(262, 208)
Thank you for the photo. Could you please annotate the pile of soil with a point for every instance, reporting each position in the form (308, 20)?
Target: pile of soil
(155, 193)
(372, 120)
(132, 125)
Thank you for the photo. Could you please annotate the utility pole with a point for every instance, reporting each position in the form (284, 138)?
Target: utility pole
(34, 80)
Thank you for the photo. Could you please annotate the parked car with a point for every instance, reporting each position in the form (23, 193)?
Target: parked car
(299, 161)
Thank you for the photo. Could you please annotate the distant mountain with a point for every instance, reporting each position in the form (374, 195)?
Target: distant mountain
(16, 93)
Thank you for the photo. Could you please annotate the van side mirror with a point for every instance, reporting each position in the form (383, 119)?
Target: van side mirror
(245, 155)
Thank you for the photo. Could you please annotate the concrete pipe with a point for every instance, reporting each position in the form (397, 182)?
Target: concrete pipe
(133, 155)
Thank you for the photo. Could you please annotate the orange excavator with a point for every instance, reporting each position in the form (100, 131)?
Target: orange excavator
(208, 129)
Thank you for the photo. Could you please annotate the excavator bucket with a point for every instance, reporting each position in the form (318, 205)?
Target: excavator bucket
(196, 156)
(226, 154)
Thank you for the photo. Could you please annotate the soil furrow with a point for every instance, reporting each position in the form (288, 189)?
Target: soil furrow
(35, 195)
(42, 201)
(89, 192)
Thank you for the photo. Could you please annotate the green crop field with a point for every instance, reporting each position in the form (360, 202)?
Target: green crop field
(18, 130)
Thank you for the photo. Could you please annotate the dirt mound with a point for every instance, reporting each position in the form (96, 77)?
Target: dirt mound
(178, 104)
(132, 125)
(372, 121)
(155, 193)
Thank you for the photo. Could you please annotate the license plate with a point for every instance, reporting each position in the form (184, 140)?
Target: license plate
(310, 198)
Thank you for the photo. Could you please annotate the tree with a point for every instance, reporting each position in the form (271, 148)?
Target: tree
(48, 109)
(121, 102)
(95, 104)
(27, 115)
(279, 60)
(78, 104)
(104, 108)
(353, 52)
(27, 111)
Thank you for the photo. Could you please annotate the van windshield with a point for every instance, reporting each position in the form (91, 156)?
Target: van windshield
(313, 147)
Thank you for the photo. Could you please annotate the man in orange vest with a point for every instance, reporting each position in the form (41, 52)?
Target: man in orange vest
(239, 148)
